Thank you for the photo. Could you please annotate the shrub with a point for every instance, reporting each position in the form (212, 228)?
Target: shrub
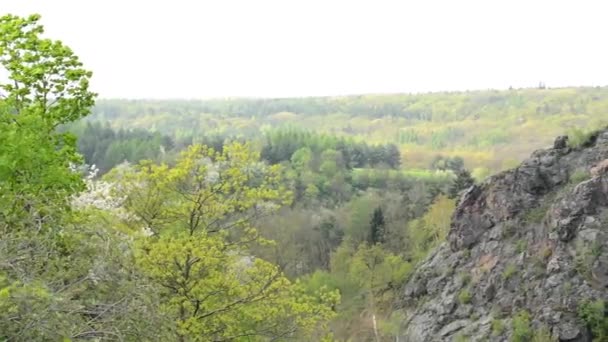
(521, 327)
(521, 246)
(497, 327)
(585, 257)
(545, 253)
(542, 335)
(580, 138)
(594, 315)
(535, 215)
(579, 176)
(464, 296)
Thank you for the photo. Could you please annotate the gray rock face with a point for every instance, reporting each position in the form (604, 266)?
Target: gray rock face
(532, 239)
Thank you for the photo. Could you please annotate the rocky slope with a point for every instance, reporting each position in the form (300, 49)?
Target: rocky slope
(526, 257)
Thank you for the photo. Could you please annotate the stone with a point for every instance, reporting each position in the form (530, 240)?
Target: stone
(553, 265)
(561, 142)
(564, 261)
(454, 326)
(568, 331)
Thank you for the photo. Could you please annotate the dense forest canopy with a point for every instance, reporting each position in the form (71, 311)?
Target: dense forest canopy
(488, 129)
(236, 219)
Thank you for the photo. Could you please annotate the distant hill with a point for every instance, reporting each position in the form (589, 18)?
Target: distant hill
(489, 129)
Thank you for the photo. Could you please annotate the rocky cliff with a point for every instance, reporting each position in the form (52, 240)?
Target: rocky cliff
(526, 258)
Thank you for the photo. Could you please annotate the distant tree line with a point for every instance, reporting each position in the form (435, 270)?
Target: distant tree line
(106, 147)
(281, 144)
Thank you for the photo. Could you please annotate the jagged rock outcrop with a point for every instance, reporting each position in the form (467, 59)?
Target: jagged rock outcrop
(534, 238)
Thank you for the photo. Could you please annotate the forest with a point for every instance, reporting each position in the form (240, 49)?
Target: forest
(235, 219)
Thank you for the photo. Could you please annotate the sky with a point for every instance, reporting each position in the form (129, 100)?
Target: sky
(284, 48)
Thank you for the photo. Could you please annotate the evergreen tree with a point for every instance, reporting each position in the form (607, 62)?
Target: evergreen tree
(377, 226)
(392, 156)
(463, 181)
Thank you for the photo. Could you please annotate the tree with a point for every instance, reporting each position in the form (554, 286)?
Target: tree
(62, 275)
(377, 227)
(392, 156)
(369, 279)
(463, 181)
(431, 229)
(200, 215)
(45, 76)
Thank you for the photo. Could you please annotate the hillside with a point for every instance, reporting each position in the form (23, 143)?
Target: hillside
(489, 129)
(525, 258)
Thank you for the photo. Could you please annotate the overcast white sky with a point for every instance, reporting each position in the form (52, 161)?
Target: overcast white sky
(276, 48)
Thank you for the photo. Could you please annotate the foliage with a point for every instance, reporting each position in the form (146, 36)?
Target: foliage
(579, 176)
(464, 296)
(429, 231)
(64, 274)
(463, 181)
(214, 293)
(542, 335)
(579, 138)
(281, 144)
(585, 256)
(497, 327)
(199, 213)
(537, 214)
(484, 128)
(377, 227)
(521, 246)
(369, 279)
(593, 313)
(153, 252)
(522, 330)
(205, 191)
(45, 76)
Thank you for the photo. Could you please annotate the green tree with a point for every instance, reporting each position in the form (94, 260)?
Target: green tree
(45, 76)
(60, 275)
(463, 181)
(377, 227)
(200, 215)
(430, 230)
